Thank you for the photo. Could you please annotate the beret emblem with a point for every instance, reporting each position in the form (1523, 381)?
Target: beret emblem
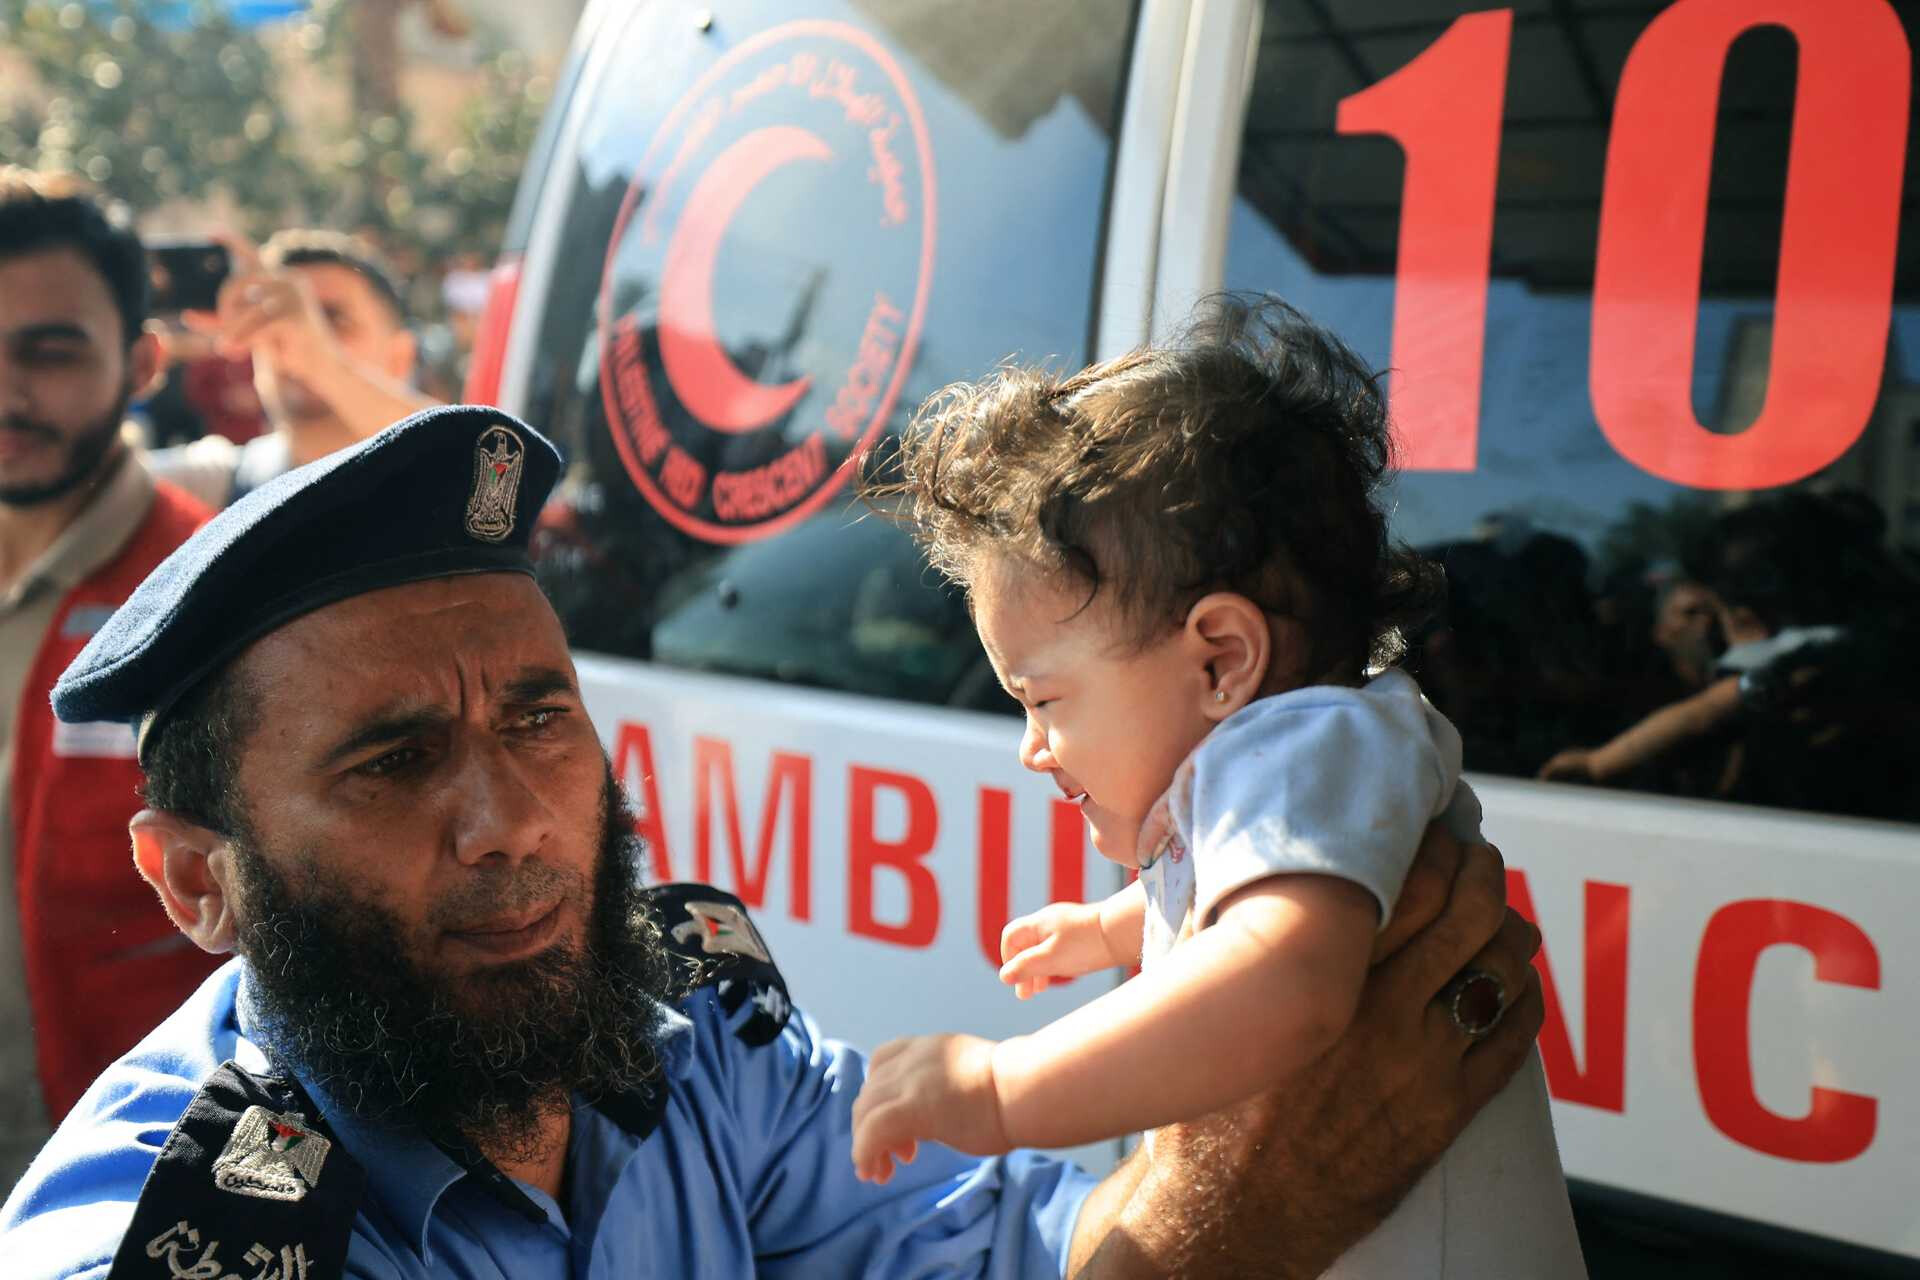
(498, 458)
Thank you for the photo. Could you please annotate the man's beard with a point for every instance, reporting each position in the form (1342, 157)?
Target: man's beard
(485, 1058)
(86, 452)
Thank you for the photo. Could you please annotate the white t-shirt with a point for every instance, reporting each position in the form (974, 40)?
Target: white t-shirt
(219, 472)
(1326, 779)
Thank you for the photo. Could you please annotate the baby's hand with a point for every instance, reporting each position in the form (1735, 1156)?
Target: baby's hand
(1061, 941)
(1575, 764)
(936, 1088)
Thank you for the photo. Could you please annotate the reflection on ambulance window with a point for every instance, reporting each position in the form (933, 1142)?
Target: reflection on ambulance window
(878, 627)
(1661, 434)
(798, 223)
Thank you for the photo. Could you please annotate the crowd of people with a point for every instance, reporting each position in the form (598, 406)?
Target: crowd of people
(1765, 663)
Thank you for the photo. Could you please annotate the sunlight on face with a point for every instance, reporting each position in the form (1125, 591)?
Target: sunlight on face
(429, 741)
(1109, 722)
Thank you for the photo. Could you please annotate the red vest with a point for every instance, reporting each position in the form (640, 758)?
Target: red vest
(104, 964)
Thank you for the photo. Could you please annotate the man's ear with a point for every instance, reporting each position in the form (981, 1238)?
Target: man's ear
(403, 352)
(147, 362)
(1229, 632)
(191, 868)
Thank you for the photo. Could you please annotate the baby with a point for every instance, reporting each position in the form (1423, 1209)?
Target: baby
(1178, 567)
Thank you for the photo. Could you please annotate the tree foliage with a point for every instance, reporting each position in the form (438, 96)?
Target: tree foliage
(152, 115)
(178, 102)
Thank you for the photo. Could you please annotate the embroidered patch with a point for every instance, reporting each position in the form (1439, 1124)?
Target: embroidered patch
(498, 458)
(723, 929)
(272, 1155)
(772, 1002)
(180, 1247)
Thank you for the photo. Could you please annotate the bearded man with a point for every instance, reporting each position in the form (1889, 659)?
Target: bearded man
(88, 961)
(460, 1041)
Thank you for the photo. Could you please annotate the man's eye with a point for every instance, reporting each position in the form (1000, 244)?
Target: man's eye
(542, 717)
(385, 766)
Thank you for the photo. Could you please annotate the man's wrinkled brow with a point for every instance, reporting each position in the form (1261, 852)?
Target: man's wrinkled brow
(536, 683)
(398, 724)
(381, 729)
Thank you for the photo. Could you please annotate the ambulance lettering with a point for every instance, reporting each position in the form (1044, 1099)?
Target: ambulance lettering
(903, 854)
(1602, 1080)
(789, 789)
(1838, 1125)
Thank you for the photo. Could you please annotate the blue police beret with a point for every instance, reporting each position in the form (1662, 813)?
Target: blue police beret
(448, 491)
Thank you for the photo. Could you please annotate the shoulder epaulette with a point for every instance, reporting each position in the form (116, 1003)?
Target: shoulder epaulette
(250, 1182)
(713, 943)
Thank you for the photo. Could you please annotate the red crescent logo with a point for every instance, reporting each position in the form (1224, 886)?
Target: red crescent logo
(705, 378)
(720, 455)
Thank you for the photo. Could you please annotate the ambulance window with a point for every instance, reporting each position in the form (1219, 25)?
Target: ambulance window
(1655, 409)
(788, 226)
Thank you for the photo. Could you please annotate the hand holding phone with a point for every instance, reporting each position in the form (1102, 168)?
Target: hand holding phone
(187, 274)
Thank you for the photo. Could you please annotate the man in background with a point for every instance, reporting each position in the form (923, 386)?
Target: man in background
(326, 328)
(88, 960)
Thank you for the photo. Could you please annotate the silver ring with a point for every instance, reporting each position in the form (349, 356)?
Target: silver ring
(1475, 1000)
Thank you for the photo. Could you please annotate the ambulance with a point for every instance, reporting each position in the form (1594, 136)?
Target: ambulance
(1639, 270)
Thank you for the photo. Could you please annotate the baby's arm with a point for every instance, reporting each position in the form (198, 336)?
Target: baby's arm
(1260, 994)
(941, 1088)
(1244, 1003)
(1653, 737)
(1067, 939)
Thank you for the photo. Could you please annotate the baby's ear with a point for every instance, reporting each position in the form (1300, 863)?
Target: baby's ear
(1230, 633)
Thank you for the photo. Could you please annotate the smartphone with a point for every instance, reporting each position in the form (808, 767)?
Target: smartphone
(186, 274)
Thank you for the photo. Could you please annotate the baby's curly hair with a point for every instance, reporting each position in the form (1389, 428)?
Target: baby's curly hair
(1247, 455)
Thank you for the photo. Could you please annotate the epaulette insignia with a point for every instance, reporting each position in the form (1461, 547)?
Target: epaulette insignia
(249, 1183)
(711, 939)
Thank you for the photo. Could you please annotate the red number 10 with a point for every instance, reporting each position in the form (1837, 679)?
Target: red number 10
(1839, 235)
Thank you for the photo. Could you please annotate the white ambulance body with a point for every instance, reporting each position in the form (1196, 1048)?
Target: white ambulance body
(1632, 265)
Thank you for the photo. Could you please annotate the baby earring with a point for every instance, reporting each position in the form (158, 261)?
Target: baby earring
(1219, 695)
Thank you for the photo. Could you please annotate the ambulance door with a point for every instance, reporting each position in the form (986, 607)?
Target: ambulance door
(1645, 279)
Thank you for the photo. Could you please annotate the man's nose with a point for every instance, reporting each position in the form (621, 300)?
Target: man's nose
(501, 813)
(1034, 753)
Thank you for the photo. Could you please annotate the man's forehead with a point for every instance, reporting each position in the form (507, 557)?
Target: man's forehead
(434, 645)
(54, 285)
(344, 289)
(481, 613)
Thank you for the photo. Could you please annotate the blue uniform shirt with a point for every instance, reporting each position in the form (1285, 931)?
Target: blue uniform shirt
(748, 1174)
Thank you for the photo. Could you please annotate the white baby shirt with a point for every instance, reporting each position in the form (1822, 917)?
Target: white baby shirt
(1326, 779)
(1341, 781)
